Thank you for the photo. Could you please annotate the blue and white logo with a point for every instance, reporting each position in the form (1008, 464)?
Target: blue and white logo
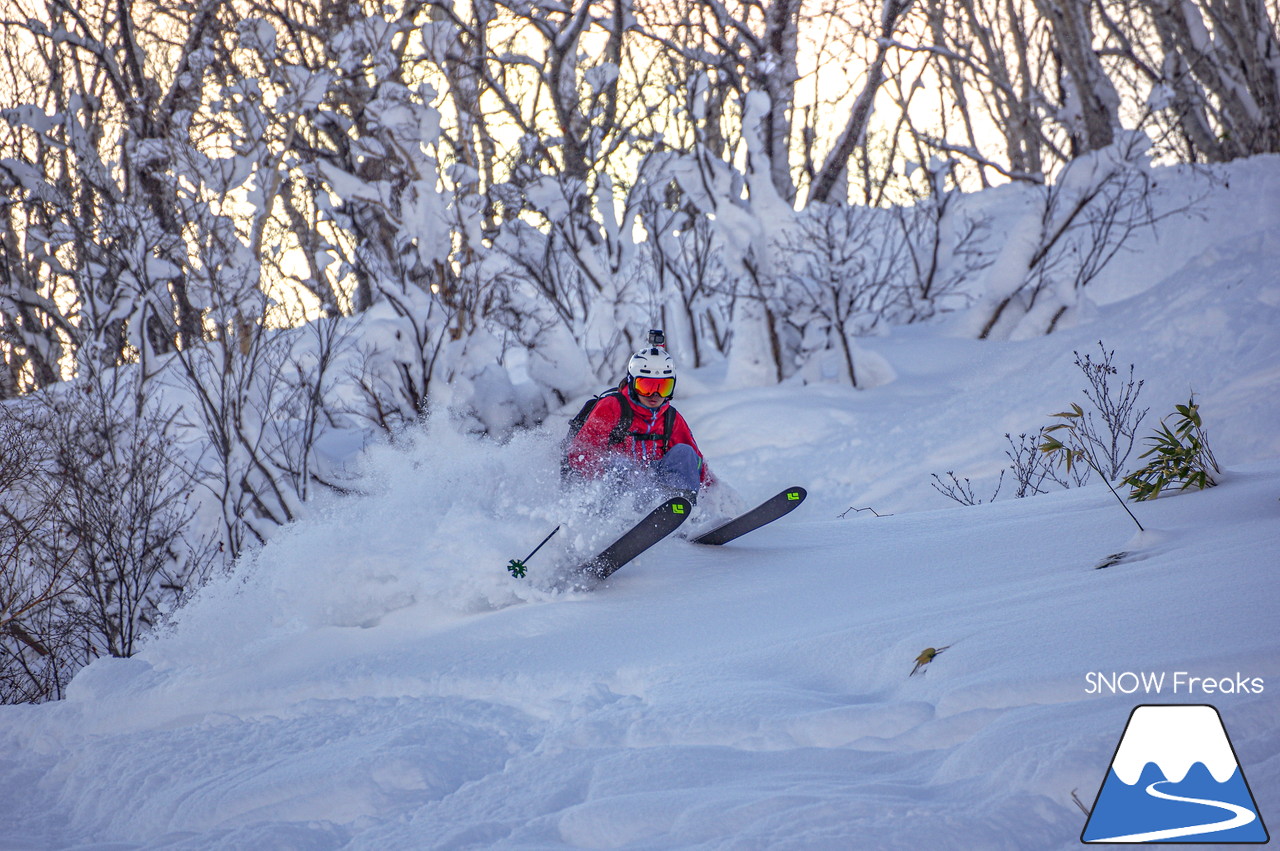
(1175, 778)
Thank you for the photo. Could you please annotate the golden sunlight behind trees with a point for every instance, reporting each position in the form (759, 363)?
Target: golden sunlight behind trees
(146, 144)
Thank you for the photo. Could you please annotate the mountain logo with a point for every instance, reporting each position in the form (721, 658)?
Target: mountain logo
(1175, 778)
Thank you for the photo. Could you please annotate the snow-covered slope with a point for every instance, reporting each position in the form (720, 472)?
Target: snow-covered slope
(373, 678)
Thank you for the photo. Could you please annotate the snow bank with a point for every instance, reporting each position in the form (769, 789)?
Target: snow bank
(757, 696)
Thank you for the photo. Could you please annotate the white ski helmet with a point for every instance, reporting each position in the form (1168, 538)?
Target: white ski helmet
(651, 362)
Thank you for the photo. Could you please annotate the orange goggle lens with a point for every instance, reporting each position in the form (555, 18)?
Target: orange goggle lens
(649, 386)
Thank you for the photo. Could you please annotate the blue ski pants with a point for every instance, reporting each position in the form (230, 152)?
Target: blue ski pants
(680, 469)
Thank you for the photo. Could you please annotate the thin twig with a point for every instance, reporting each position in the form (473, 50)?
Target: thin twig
(845, 513)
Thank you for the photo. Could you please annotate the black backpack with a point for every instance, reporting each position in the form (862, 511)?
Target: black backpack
(622, 429)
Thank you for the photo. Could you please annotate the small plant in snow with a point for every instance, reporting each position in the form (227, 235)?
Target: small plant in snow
(1181, 457)
(1073, 448)
(1033, 471)
(1102, 436)
(961, 490)
(1117, 407)
(1104, 441)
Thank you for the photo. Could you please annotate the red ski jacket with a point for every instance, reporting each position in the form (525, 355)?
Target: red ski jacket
(591, 449)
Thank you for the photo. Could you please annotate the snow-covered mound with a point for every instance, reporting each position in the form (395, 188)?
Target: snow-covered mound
(373, 678)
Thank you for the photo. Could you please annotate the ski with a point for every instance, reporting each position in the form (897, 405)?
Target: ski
(771, 509)
(653, 527)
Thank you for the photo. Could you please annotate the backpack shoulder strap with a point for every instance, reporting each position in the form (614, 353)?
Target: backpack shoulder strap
(668, 426)
(622, 428)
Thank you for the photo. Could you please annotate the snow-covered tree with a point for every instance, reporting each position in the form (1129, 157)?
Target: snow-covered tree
(1071, 229)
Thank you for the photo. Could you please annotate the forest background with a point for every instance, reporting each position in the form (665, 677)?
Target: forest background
(239, 239)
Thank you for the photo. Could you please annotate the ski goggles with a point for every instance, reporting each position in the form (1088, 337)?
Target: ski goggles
(650, 386)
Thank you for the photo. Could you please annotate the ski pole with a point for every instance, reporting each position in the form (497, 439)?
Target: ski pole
(517, 565)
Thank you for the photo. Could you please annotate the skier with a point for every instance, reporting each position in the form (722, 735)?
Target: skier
(634, 432)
